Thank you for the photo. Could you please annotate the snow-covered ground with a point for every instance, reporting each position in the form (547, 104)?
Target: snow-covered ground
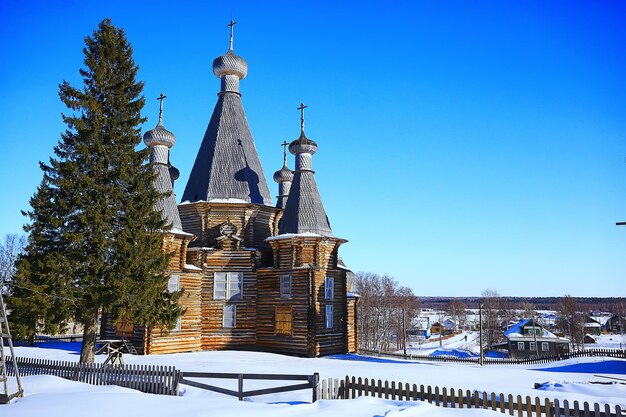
(465, 341)
(608, 341)
(572, 380)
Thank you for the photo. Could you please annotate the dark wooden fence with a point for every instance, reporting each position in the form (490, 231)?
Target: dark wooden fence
(50, 339)
(145, 378)
(351, 387)
(312, 382)
(612, 353)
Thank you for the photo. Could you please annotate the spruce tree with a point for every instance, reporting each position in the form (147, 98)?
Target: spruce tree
(95, 238)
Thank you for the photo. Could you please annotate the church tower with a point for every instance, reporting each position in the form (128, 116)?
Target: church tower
(304, 211)
(227, 166)
(306, 290)
(160, 140)
(227, 206)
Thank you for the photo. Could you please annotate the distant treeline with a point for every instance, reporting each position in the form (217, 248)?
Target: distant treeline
(539, 303)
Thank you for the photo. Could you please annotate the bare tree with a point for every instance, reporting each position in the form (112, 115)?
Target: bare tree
(385, 309)
(571, 321)
(619, 310)
(10, 249)
(457, 310)
(528, 310)
(492, 304)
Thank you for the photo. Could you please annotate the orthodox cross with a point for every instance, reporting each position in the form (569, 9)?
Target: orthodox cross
(161, 98)
(301, 108)
(284, 145)
(231, 25)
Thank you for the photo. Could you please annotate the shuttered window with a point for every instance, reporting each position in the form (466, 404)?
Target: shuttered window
(229, 316)
(228, 285)
(124, 328)
(285, 286)
(329, 316)
(284, 320)
(173, 284)
(329, 290)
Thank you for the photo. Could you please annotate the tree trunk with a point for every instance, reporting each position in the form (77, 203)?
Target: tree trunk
(88, 348)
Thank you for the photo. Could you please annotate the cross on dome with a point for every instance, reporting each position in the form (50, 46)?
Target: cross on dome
(284, 145)
(161, 98)
(301, 108)
(231, 25)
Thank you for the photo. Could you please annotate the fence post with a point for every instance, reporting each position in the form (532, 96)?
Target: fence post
(240, 386)
(314, 380)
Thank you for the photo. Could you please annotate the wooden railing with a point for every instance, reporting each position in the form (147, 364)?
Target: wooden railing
(612, 353)
(351, 387)
(312, 382)
(145, 378)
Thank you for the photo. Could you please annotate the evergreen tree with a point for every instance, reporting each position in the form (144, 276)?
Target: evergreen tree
(95, 238)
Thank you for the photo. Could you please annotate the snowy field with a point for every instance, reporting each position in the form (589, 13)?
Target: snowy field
(574, 379)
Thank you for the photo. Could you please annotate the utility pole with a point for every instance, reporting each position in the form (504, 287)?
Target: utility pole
(480, 329)
(404, 330)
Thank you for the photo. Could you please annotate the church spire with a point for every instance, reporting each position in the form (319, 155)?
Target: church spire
(304, 211)
(283, 177)
(160, 140)
(227, 166)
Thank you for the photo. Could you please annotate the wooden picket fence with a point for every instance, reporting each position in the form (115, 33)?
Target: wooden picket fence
(145, 378)
(611, 353)
(351, 387)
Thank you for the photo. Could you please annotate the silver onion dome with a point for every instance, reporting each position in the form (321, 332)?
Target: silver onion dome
(230, 64)
(303, 145)
(159, 136)
(283, 175)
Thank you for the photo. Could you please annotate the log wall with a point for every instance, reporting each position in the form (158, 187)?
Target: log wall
(188, 338)
(214, 335)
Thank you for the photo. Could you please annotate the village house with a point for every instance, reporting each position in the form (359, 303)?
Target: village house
(255, 276)
(527, 339)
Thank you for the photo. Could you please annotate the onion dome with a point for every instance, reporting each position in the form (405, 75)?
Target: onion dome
(174, 172)
(284, 174)
(159, 136)
(230, 64)
(303, 145)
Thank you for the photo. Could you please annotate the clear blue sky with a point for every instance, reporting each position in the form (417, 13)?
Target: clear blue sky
(462, 145)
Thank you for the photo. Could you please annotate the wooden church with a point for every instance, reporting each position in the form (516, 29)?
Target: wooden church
(255, 276)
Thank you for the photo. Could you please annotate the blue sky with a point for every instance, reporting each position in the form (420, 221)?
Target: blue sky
(462, 145)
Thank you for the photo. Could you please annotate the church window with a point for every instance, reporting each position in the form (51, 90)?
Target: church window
(285, 286)
(228, 286)
(284, 320)
(329, 316)
(329, 290)
(229, 316)
(173, 284)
